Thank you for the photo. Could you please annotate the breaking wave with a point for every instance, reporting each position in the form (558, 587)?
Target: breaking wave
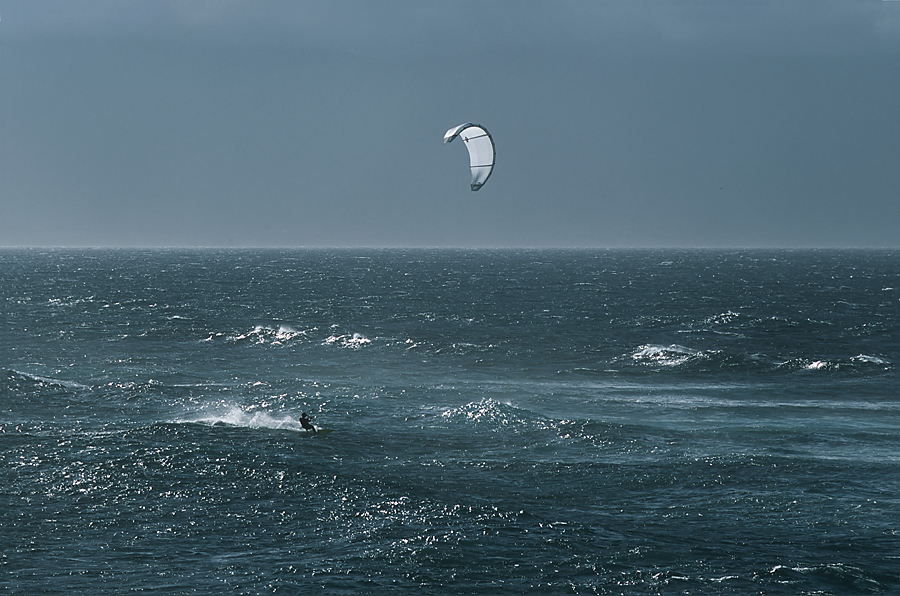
(264, 334)
(354, 340)
(678, 357)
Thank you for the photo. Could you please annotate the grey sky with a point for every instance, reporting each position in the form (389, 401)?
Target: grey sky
(618, 123)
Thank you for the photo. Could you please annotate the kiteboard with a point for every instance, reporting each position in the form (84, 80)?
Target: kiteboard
(319, 431)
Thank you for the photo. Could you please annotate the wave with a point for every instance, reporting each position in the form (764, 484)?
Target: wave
(678, 357)
(864, 359)
(745, 325)
(265, 334)
(499, 415)
(860, 363)
(491, 412)
(672, 355)
(845, 578)
(68, 301)
(15, 377)
(543, 435)
(348, 340)
(285, 335)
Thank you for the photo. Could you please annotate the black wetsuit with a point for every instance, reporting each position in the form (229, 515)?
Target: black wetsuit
(304, 422)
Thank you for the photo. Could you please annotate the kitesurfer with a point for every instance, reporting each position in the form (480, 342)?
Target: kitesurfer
(305, 423)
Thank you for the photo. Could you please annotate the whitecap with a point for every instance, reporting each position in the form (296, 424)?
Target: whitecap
(264, 334)
(723, 318)
(285, 333)
(671, 355)
(868, 359)
(811, 365)
(355, 341)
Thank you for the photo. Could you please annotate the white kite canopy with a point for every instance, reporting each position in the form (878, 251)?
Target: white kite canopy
(481, 150)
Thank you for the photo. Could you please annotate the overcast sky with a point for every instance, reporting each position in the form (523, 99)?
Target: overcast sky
(618, 123)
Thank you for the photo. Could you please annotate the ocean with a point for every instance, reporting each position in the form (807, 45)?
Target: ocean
(496, 421)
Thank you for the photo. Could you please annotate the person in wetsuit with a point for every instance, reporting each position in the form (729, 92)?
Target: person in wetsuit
(305, 423)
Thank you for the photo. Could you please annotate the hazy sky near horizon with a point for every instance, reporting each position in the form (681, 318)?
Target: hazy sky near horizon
(618, 123)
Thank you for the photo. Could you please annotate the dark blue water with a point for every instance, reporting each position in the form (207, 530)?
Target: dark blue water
(503, 422)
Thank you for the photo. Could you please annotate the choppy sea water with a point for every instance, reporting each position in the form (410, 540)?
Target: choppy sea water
(503, 422)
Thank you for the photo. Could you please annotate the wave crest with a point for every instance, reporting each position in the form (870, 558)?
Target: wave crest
(672, 355)
(353, 341)
(860, 363)
(265, 334)
(490, 412)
